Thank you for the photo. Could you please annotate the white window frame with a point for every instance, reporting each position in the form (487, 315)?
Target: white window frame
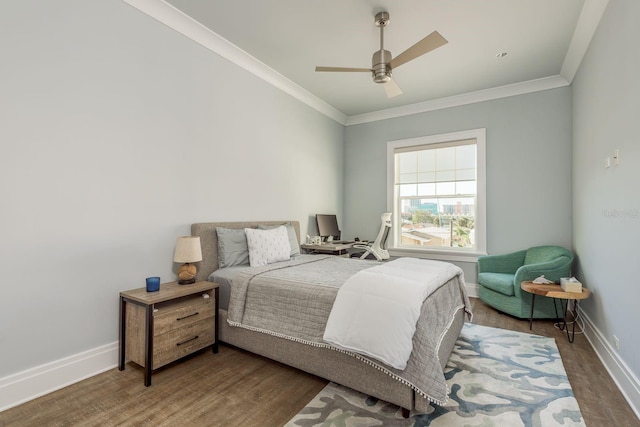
(452, 254)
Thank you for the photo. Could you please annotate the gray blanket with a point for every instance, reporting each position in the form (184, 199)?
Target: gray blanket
(293, 300)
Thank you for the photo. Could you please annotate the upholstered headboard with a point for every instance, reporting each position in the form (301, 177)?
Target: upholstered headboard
(209, 241)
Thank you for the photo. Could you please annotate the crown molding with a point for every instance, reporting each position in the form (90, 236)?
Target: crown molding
(175, 19)
(463, 99)
(192, 29)
(588, 21)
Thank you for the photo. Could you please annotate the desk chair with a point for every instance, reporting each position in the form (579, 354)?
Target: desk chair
(379, 247)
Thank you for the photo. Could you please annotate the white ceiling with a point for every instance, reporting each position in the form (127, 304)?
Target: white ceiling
(543, 39)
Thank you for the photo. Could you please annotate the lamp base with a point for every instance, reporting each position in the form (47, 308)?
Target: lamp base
(187, 274)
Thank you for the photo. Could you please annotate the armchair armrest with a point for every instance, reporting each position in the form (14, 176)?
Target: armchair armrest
(507, 263)
(552, 270)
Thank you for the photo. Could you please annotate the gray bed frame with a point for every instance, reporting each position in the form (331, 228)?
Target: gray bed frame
(331, 365)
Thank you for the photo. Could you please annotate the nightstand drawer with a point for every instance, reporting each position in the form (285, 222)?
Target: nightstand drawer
(180, 342)
(174, 316)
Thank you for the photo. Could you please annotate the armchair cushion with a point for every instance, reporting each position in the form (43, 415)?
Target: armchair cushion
(499, 282)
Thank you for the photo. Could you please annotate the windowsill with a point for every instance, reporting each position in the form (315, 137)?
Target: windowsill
(441, 255)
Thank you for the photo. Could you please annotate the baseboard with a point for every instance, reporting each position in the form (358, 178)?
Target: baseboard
(626, 381)
(35, 382)
(472, 289)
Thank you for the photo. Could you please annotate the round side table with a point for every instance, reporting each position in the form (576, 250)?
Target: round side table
(555, 291)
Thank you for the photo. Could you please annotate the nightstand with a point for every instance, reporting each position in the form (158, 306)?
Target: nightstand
(157, 328)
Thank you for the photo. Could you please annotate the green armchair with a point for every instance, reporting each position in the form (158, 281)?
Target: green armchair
(499, 278)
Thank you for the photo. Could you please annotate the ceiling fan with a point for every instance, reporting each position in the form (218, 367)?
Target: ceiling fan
(382, 63)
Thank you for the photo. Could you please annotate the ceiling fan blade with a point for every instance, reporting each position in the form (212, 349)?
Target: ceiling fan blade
(392, 89)
(427, 44)
(354, 70)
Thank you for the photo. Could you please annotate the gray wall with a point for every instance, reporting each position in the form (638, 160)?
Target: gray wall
(528, 168)
(606, 109)
(117, 133)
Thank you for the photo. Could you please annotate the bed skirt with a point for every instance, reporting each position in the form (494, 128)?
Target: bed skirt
(336, 366)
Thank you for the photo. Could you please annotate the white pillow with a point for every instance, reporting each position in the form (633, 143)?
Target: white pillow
(267, 246)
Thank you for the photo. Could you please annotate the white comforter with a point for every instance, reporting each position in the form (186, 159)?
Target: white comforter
(376, 310)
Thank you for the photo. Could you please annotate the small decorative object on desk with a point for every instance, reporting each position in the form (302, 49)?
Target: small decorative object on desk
(153, 284)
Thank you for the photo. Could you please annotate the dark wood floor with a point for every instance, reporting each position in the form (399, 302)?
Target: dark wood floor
(235, 388)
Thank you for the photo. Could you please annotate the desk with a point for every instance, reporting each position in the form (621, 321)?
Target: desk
(328, 248)
(555, 291)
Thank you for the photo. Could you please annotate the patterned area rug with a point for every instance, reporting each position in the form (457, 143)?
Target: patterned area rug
(496, 378)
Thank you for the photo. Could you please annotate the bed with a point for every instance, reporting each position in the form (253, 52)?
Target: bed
(413, 388)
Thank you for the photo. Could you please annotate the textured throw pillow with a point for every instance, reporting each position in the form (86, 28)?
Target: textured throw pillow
(267, 246)
(291, 232)
(232, 247)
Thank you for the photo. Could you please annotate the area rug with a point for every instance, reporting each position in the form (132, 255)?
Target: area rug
(495, 377)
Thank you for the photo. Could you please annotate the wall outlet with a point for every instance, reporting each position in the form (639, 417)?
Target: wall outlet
(616, 341)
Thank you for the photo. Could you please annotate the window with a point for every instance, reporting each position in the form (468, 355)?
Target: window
(436, 192)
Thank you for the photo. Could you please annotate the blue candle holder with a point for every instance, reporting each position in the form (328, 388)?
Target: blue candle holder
(153, 284)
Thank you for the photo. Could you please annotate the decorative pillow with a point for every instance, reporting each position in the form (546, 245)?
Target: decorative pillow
(267, 246)
(291, 232)
(232, 247)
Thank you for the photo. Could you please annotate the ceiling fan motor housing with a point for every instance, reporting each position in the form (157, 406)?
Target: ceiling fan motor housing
(380, 60)
(380, 66)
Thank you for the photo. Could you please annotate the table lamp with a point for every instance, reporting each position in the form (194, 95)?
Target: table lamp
(187, 251)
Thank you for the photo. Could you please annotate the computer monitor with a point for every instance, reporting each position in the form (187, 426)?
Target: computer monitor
(328, 226)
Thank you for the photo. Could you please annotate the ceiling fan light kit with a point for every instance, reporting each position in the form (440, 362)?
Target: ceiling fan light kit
(382, 62)
(381, 69)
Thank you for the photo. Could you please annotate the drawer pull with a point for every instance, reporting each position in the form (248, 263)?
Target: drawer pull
(186, 341)
(186, 317)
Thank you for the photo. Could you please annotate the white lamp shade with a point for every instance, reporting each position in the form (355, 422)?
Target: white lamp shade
(187, 249)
